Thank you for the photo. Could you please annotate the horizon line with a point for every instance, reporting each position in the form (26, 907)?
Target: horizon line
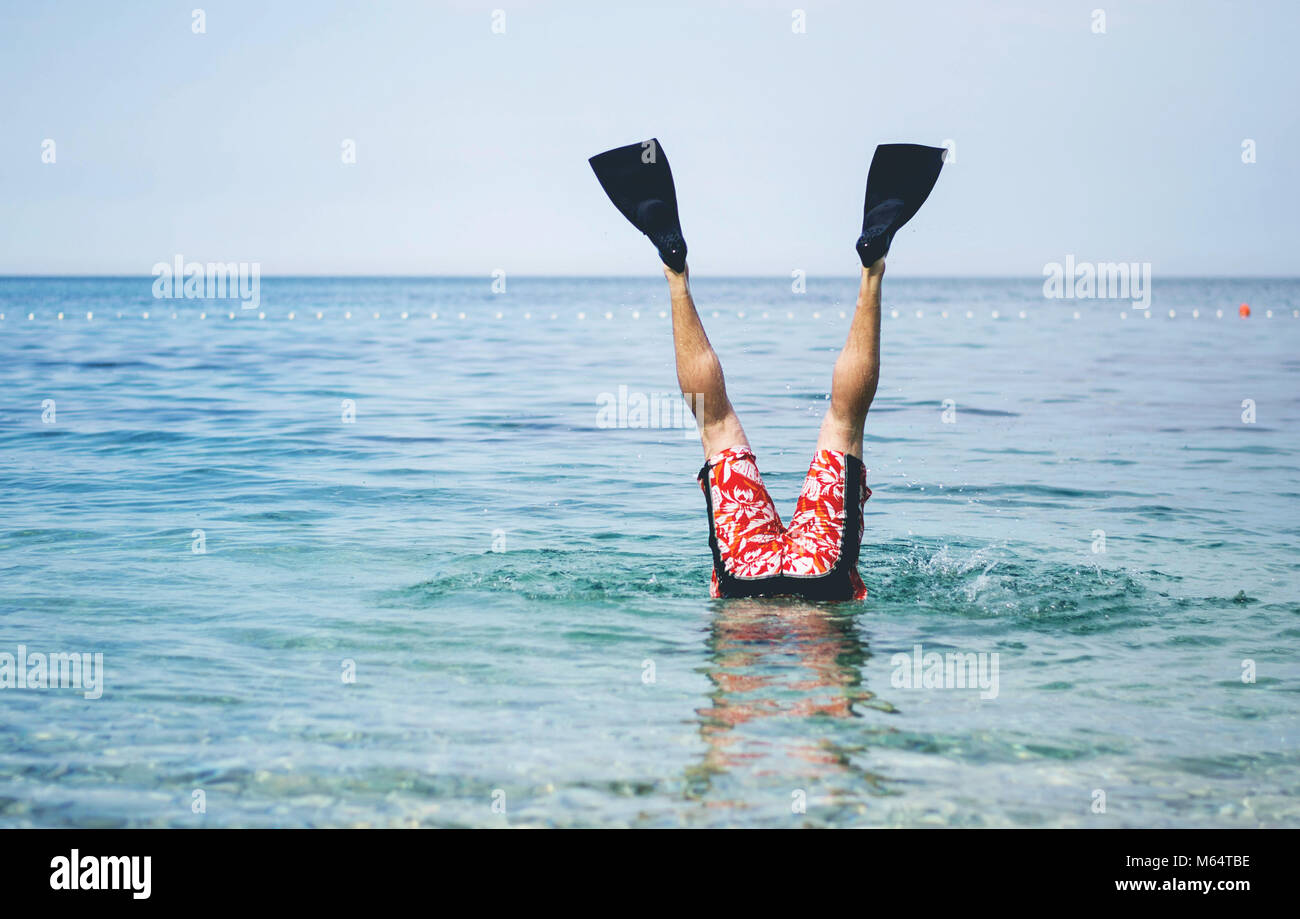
(631, 277)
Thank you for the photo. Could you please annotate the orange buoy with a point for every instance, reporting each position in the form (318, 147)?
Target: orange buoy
(1244, 311)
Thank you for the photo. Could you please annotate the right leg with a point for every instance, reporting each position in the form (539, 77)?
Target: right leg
(699, 372)
(857, 371)
(827, 526)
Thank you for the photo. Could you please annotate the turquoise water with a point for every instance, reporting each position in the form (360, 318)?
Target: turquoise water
(522, 590)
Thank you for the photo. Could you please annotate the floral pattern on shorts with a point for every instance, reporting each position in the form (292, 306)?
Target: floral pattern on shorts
(753, 543)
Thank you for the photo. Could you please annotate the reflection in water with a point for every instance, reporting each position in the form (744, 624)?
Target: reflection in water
(787, 684)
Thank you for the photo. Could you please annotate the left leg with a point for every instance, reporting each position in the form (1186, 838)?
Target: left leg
(857, 371)
(699, 372)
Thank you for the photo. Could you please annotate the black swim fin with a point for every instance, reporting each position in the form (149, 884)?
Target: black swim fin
(639, 182)
(898, 183)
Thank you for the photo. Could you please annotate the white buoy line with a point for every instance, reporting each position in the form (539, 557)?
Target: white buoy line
(634, 315)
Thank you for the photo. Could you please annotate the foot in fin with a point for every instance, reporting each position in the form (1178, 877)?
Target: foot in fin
(898, 183)
(639, 182)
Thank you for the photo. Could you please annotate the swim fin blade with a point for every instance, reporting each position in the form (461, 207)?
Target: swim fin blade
(639, 182)
(898, 183)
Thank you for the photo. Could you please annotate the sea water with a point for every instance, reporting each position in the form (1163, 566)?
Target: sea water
(365, 566)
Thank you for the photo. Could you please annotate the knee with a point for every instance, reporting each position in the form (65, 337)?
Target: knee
(852, 389)
(702, 374)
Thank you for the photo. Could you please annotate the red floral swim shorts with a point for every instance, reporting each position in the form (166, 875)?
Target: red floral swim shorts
(815, 557)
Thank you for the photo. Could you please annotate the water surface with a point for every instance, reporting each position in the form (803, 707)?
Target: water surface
(523, 592)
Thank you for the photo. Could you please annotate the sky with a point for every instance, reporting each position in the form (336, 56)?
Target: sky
(472, 142)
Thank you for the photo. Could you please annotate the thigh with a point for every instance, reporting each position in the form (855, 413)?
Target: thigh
(723, 434)
(826, 530)
(745, 527)
(839, 436)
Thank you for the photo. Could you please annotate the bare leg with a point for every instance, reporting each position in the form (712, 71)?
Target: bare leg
(857, 371)
(699, 372)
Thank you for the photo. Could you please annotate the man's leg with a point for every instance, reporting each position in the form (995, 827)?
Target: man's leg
(857, 371)
(699, 373)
